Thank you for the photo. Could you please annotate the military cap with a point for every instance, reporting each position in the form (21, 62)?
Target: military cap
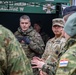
(58, 21)
(69, 10)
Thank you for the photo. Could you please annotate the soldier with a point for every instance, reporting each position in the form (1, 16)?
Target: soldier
(55, 45)
(66, 64)
(30, 40)
(13, 60)
(38, 28)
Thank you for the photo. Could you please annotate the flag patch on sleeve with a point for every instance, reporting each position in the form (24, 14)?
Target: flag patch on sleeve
(63, 63)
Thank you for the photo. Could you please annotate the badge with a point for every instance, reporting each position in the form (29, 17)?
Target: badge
(63, 63)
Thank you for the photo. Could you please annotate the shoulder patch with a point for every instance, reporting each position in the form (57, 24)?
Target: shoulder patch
(63, 63)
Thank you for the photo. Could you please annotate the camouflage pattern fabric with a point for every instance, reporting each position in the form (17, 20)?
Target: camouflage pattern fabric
(67, 62)
(58, 21)
(36, 45)
(52, 50)
(13, 60)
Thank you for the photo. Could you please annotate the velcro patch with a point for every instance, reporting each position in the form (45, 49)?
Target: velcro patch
(63, 63)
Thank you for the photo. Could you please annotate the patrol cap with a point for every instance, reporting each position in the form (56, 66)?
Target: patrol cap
(58, 21)
(69, 10)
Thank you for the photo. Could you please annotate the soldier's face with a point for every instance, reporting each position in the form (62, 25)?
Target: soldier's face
(25, 24)
(57, 30)
(37, 27)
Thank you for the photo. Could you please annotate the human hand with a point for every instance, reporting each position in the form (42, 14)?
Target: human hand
(43, 73)
(26, 40)
(37, 58)
(37, 62)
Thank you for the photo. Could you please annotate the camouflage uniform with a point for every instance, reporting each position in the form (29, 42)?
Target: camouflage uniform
(13, 60)
(55, 44)
(67, 63)
(35, 47)
(67, 60)
(52, 50)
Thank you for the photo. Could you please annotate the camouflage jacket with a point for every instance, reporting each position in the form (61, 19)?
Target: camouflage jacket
(36, 45)
(67, 62)
(13, 60)
(52, 50)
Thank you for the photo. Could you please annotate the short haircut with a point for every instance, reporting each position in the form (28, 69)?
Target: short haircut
(25, 17)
